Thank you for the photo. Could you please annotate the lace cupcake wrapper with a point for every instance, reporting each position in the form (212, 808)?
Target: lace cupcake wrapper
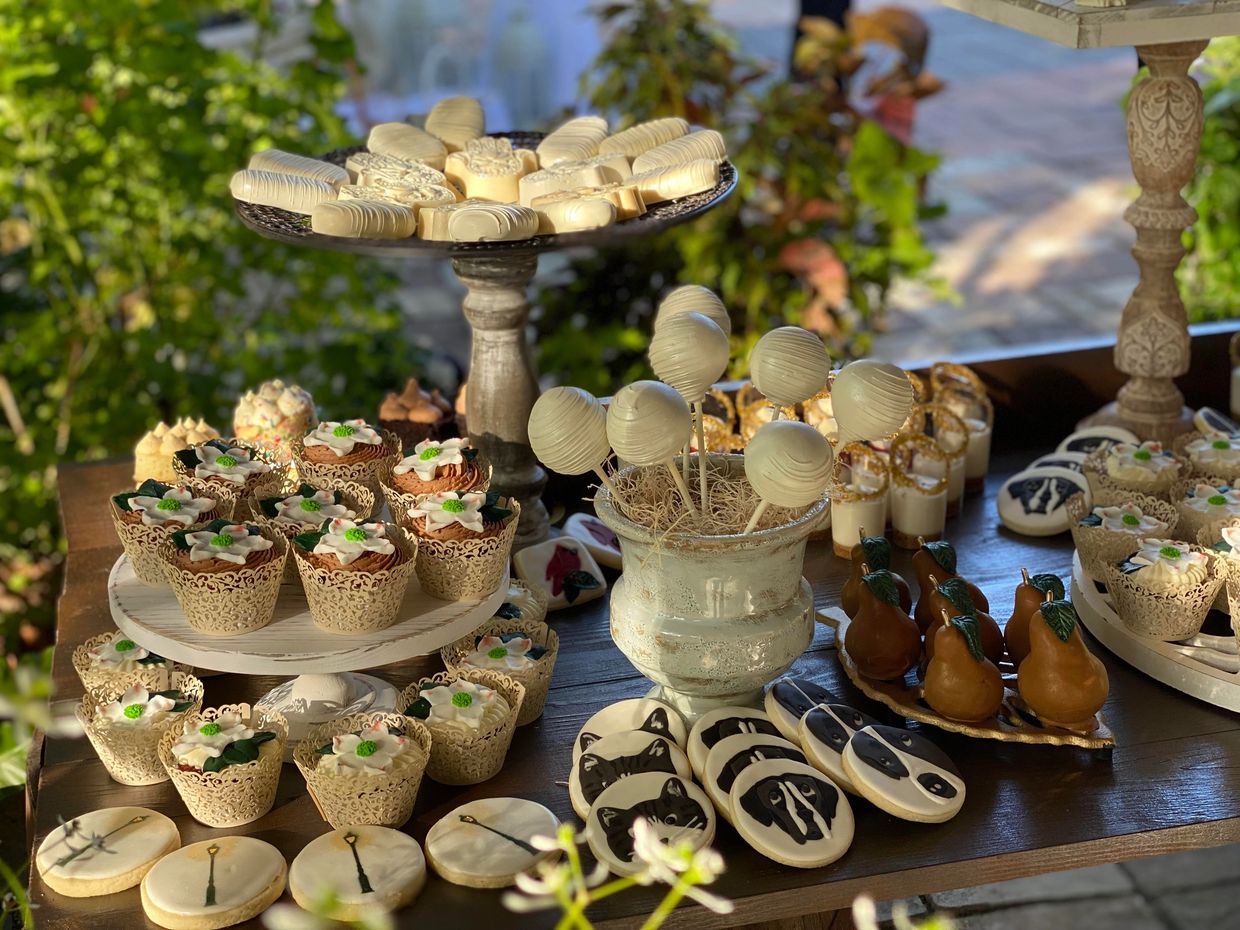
(156, 677)
(1100, 481)
(536, 679)
(231, 602)
(358, 498)
(466, 569)
(1099, 546)
(358, 602)
(367, 473)
(1168, 616)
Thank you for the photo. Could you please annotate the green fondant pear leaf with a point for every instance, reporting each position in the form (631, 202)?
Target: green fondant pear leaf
(883, 586)
(576, 582)
(944, 553)
(1060, 616)
(956, 591)
(1045, 582)
(877, 552)
(972, 637)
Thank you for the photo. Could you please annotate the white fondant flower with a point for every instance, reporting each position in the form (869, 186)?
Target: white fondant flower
(461, 700)
(1216, 501)
(311, 509)
(1127, 461)
(201, 741)
(177, 505)
(493, 652)
(120, 652)
(371, 751)
(233, 464)
(431, 455)
(444, 509)
(1231, 536)
(348, 540)
(138, 707)
(342, 436)
(1171, 554)
(233, 543)
(1215, 450)
(1129, 518)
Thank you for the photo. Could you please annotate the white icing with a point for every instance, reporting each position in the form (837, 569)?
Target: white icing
(119, 654)
(311, 509)
(1231, 536)
(1215, 451)
(491, 222)
(413, 195)
(446, 508)
(464, 703)
(672, 182)
(1142, 464)
(789, 365)
(233, 464)
(493, 652)
(342, 437)
(788, 463)
(456, 120)
(406, 142)
(870, 399)
(392, 862)
(697, 299)
(430, 455)
(370, 751)
(689, 352)
(195, 747)
(176, 505)
(728, 748)
(633, 714)
(1129, 518)
(577, 139)
(465, 847)
(348, 540)
(648, 423)
(700, 144)
(1168, 563)
(244, 868)
(784, 786)
(1216, 502)
(288, 163)
(531, 565)
(568, 430)
(698, 749)
(232, 543)
(138, 707)
(634, 790)
(644, 136)
(130, 844)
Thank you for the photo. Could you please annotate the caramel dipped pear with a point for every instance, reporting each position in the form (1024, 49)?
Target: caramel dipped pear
(874, 551)
(961, 683)
(952, 597)
(1061, 680)
(1030, 594)
(882, 639)
(938, 558)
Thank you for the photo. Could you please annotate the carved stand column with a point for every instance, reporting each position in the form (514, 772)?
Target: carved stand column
(502, 385)
(1152, 348)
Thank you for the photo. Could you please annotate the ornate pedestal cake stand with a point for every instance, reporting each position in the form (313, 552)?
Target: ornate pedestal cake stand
(327, 685)
(502, 382)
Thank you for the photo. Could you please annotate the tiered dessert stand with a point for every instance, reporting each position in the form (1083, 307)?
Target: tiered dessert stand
(502, 382)
(326, 664)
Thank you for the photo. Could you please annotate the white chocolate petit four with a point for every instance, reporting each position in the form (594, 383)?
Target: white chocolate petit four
(671, 182)
(490, 168)
(566, 212)
(400, 140)
(565, 176)
(644, 136)
(414, 196)
(456, 120)
(577, 139)
(363, 219)
(492, 222)
(288, 163)
(703, 143)
(284, 191)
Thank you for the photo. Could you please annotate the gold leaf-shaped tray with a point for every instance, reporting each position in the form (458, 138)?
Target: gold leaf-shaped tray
(1015, 722)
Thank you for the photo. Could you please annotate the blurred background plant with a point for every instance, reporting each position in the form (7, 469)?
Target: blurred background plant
(827, 212)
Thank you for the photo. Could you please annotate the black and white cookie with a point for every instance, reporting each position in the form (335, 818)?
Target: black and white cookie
(720, 724)
(597, 538)
(485, 843)
(634, 714)
(1096, 437)
(1073, 461)
(1034, 502)
(621, 755)
(733, 754)
(362, 866)
(1210, 422)
(675, 808)
(792, 813)
(788, 699)
(904, 774)
(825, 731)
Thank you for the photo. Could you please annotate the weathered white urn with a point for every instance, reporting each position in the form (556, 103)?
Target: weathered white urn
(712, 619)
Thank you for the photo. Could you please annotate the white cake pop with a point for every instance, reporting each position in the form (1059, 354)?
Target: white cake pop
(870, 400)
(568, 433)
(789, 464)
(647, 423)
(697, 299)
(789, 365)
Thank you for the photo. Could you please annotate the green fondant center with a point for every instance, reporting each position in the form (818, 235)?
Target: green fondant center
(168, 504)
(1216, 500)
(1170, 552)
(498, 652)
(311, 505)
(1130, 520)
(209, 729)
(125, 645)
(355, 534)
(227, 461)
(432, 453)
(453, 507)
(344, 429)
(1221, 444)
(461, 699)
(221, 540)
(1142, 455)
(134, 711)
(367, 747)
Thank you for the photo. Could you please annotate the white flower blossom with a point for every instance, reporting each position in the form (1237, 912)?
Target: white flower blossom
(233, 464)
(493, 652)
(1129, 518)
(203, 740)
(348, 540)
(176, 505)
(232, 543)
(311, 509)
(341, 437)
(431, 455)
(441, 510)
(138, 707)
(371, 751)
(120, 653)
(1216, 501)
(461, 700)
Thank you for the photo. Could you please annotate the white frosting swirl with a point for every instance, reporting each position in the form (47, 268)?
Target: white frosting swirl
(119, 654)
(343, 436)
(430, 455)
(195, 747)
(462, 702)
(447, 508)
(1215, 452)
(1141, 464)
(348, 540)
(176, 505)
(1169, 564)
(272, 403)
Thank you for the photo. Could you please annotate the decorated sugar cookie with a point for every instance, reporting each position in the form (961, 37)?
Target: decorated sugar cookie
(1209, 422)
(635, 714)
(825, 731)
(1095, 437)
(104, 851)
(362, 866)
(788, 700)
(607, 760)
(1073, 461)
(597, 537)
(563, 568)
(721, 723)
(792, 813)
(673, 807)
(1035, 502)
(484, 844)
(215, 883)
(904, 774)
(732, 755)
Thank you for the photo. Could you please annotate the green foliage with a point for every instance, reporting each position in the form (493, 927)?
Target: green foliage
(131, 292)
(1210, 274)
(824, 219)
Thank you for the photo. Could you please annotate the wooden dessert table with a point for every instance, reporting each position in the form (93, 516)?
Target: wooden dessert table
(1169, 785)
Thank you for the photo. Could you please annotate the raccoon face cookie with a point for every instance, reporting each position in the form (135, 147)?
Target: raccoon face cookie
(791, 813)
(825, 731)
(789, 699)
(904, 774)
(732, 755)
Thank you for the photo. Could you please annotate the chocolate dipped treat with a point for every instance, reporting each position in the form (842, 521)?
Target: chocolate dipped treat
(882, 639)
(938, 558)
(951, 597)
(1030, 594)
(1060, 680)
(415, 415)
(874, 551)
(961, 682)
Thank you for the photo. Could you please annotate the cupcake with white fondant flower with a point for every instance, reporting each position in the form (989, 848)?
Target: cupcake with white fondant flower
(337, 451)
(471, 715)
(306, 508)
(1113, 528)
(355, 573)
(1205, 503)
(1164, 590)
(1145, 468)
(225, 762)
(1213, 454)
(226, 576)
(126, 723)
(464, 542)
(229, 468)
(1225, 542)
(434, 467)
(522, 603)
(145, 518)
(365, 769)
(524, 650)
(110, 659)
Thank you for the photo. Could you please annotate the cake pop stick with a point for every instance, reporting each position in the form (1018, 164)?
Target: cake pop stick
(646, 424)
(568, 433)
(789, 464)
(789, 365)
(870, 400)
(690, 353)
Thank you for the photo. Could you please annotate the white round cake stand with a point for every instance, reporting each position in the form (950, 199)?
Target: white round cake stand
(327, 683)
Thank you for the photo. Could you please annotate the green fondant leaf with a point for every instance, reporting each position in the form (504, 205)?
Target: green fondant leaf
(509, 611)
(956, 591)
(877, 551)
(187, 457)
(216, 525)
(1128, 567)
(152, 659)
(1221, 546)
(179, 540)
(1060, 616)
(239, 752)
(883, 585)
(469, 453)
(1045, 582)
(534, 653)
(972, 637)
(491, 511)
(268, 505)
(419, 709)
(576, 582)
(326, 750)
(152, 488)
(944, 553)
(1091, 519)
(307, 541)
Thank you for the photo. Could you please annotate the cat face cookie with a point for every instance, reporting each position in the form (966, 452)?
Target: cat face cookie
(362, 867)
(732, 755)
(721, 723)
(644, 714)
(675, 808)
(825, 731)
(620, 755)
(133, 838)
(904, 774)
(215, 883)
(484, 844)
(788, 700)
(792, 813)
